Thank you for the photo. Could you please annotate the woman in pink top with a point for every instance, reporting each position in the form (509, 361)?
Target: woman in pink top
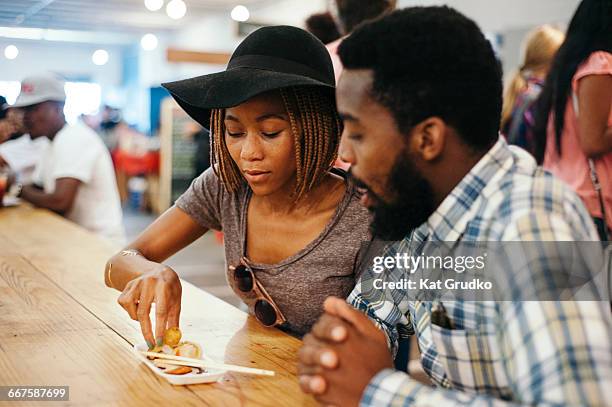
(575, 119)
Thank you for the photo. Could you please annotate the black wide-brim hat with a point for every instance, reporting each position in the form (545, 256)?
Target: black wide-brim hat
(268, 59)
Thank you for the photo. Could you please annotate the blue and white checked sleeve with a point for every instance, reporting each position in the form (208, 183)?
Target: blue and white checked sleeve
(386, 308)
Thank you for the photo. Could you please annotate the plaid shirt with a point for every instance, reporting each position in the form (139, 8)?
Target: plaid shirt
(506, 353)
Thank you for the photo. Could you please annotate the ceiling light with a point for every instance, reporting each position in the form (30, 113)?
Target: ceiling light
(148, 42)
(100, 57)
(11, 52)
(240, 13)
(153, 5)
(176, 9)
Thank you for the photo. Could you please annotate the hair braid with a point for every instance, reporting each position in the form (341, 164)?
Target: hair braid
(302, 187)
(223, 164)
(290, 105)
(317, 112)
(317, 143)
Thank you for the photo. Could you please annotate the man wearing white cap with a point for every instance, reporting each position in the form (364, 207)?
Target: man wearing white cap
(76, 171)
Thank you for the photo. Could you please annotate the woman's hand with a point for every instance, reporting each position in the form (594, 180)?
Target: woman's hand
(143, 280)
(161, 286)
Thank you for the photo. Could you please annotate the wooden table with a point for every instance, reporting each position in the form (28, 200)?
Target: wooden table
(61, 326)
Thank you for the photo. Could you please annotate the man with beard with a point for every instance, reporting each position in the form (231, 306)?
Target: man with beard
(420, 97)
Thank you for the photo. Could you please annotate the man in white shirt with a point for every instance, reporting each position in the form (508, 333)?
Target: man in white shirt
(75, 171)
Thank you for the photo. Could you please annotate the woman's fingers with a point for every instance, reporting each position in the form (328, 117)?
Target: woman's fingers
(144, 310)
(174, 313)
(173, 297)
(161, 311)
(128, 299)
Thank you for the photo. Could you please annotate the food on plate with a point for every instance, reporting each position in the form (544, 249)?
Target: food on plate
(172, 345)
(188, 350)
(172, 336)
(183, 370)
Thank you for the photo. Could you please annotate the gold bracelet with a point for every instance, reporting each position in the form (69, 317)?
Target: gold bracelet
(129, 252)
(109, 269)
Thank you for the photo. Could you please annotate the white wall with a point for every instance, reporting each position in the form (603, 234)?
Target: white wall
(214, 33)
(500, 15)
(217, 32)
(290, 12)
(73, 60)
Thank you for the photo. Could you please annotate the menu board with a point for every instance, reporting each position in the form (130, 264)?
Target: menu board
(177, 149)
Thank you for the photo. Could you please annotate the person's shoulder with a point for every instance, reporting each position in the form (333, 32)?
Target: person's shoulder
(77, 131)
(355, 211)
(211, 183)
(599, 58)
(83, 129)
(528, 190)
(343, 196)
(598, 63)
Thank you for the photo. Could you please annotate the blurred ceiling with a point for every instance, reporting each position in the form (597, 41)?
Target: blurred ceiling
(119, 16)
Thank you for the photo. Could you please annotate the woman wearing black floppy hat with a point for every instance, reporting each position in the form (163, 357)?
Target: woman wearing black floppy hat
(293, 226)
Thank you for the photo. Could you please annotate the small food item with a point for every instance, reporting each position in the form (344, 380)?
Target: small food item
(179, 370)
(172, 336)
(169, 367)
(188, 350)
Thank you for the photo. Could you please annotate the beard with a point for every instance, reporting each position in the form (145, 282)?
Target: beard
(412, 204)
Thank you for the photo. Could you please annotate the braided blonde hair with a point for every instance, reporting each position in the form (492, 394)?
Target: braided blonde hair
(316, 128)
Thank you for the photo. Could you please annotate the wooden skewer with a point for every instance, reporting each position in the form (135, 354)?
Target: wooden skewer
(183, 361)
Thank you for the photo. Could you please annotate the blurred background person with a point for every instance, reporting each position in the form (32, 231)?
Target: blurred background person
(323, 26)
(5, 130)
(20, 153)
(349, 15)
(574, 126)
(10, 120)
(75, 171)
(518, 115)
(110, 118)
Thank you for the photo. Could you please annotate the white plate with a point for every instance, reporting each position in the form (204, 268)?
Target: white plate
(210, 376)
